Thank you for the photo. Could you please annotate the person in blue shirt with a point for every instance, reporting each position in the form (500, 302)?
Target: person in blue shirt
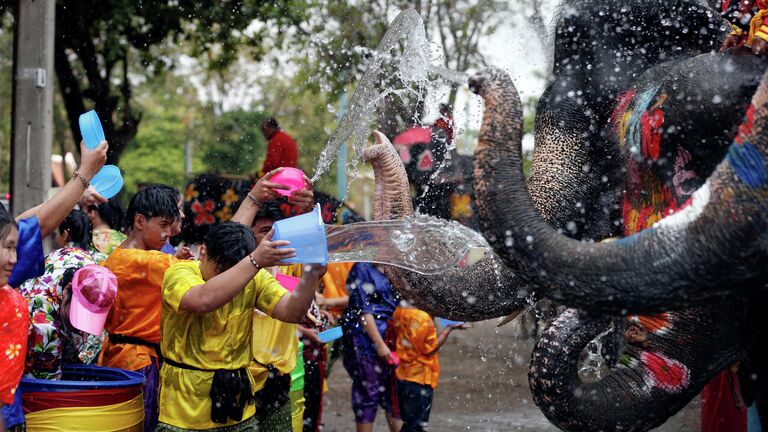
(367, 345)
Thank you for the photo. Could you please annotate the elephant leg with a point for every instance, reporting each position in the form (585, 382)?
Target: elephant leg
(668, 359)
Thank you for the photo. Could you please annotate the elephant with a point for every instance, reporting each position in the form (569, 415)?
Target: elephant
(644, 212)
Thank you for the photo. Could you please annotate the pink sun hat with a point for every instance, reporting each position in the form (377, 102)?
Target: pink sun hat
(94, 289)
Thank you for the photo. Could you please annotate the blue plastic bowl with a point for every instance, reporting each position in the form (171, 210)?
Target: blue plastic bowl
(91, 130)
(330, 335)
(108, 181)
(307, 235)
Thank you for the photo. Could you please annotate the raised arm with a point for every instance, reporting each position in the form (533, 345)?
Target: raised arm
(222, 288)
(51, 213)
(262, 192)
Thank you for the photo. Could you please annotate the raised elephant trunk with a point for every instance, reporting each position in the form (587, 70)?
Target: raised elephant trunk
(468, 292)
(713, 247)
(391, 179)
(670, 359)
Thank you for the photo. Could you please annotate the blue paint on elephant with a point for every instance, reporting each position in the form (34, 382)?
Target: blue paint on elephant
(634, 129)
(749, 164)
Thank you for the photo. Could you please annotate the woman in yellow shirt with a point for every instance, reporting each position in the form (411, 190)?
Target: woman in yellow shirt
(207, 327)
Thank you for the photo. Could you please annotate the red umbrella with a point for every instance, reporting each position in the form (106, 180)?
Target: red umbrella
(415, 135)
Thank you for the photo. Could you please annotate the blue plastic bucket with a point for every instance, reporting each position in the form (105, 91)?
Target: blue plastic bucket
(330, 335)
(108, 181)
(91, 130)
(307, 235)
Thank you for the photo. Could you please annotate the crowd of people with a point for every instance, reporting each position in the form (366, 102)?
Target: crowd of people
(221, 345)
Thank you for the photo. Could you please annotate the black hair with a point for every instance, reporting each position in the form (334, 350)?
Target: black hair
(7, 222)
(154, 201)
(270, 122)
(79, 228)
(112, 213)
(227, 243)
(67, 276)
(270, 210)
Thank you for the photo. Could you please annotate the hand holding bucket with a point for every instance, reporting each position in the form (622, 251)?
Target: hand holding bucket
(306, 234)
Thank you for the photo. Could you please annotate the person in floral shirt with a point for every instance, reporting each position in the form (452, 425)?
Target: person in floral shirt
(108, 220)
(49, 339)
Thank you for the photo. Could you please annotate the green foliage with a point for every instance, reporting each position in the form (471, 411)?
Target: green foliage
(173, 116)
(237, 143)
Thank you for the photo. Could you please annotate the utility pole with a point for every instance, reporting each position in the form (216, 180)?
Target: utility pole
(32, 111)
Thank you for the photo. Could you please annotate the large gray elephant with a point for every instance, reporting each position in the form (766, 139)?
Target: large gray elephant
(647, 134)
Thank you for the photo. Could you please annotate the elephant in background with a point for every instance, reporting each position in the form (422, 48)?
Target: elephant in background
(633, 139)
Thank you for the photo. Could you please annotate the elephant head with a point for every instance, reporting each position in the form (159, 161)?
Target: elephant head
(694, 343)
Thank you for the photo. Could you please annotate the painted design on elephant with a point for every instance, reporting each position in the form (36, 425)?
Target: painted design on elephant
(646, 199)
(637, 123)
(664, 373)
(658, 324)
(190, 193)
(203, 211)
(749, 164)
(461, 206)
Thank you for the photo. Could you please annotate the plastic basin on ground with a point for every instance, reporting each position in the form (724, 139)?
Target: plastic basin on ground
(87, 398)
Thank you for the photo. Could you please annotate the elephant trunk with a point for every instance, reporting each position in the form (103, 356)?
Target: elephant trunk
(391, 179)
(714, 246)
(473, 290)
(672, 357)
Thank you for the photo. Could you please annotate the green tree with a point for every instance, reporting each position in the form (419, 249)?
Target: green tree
(237, 143)
(100, 43)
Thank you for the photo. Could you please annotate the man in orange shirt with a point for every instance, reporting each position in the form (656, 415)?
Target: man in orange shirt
(419, 369)
(281, 148)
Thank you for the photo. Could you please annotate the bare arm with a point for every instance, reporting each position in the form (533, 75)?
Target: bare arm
(262, 191)
(332, 302)
(442, 338)
(292, 308)
(51, 213)
(222, 288)
(369, 324)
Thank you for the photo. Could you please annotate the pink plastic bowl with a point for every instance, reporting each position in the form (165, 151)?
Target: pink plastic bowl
(288, 282)
(291, 177)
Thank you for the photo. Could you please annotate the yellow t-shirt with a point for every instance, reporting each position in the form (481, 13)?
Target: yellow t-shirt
(217, 340)
(274, 342)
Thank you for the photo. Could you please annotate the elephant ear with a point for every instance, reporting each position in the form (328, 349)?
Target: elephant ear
(669, 358)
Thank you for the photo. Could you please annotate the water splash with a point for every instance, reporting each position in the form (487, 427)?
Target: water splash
(368, 96)
(421, 243)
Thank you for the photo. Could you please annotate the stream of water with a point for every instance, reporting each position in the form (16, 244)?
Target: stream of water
(423, 244)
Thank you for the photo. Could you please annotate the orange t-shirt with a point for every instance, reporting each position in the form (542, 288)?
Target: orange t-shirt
(137, 309)
(416, 337)
(335, 283)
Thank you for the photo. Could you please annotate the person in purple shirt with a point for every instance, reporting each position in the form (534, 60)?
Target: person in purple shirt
(367, 356)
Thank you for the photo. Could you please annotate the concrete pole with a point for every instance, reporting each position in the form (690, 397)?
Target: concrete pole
(32, 112)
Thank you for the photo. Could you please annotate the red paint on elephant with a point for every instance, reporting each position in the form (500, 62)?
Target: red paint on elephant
(745, 128)
(665, 373)
(650, 124)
